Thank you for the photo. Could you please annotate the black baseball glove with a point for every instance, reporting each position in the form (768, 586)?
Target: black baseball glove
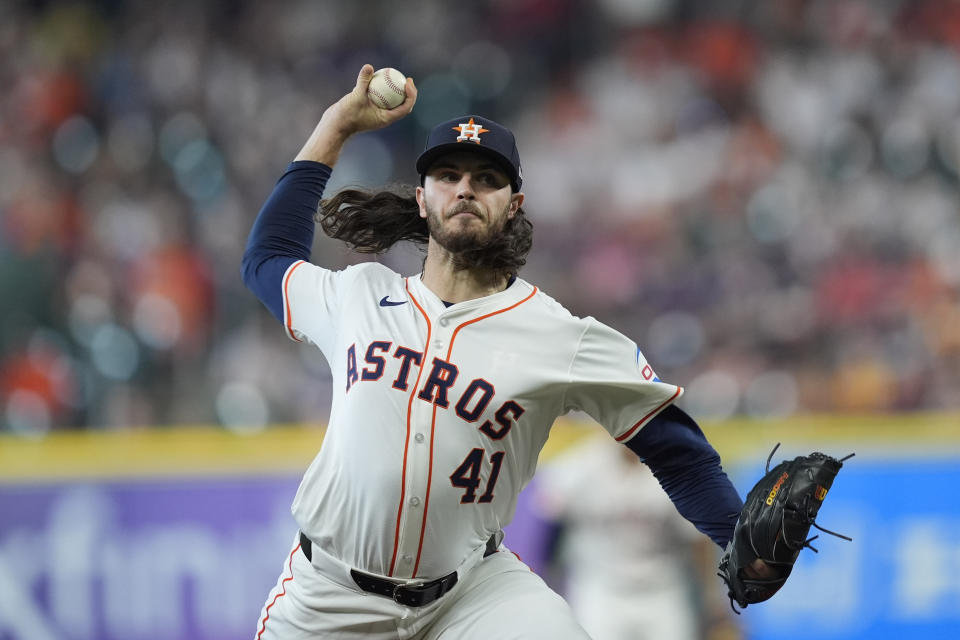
(773, 526)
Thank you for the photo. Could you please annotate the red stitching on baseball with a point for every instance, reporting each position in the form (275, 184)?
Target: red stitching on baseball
(393, 85)
(383, 101)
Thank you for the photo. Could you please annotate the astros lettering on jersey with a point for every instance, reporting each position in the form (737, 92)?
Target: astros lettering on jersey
(439, 413)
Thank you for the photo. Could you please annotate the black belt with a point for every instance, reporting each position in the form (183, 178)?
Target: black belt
(415, 594)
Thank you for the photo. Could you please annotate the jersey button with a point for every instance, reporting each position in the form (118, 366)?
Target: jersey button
(444, 322)
(438, 344)
(418, 437)
(414, 501)
(407, 559)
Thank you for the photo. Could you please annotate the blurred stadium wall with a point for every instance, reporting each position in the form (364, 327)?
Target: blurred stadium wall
(180, 533)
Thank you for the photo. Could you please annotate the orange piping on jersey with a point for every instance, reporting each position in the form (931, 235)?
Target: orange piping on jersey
(630, 432)
(286, 300)
(426, 500)
(521, 560)
(283, 584)
(433, 422)
(406, 442)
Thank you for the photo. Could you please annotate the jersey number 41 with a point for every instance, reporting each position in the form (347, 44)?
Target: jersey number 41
(467, 475)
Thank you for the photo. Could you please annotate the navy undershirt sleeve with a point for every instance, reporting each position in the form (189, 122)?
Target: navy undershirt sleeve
(283, 231)
(688, 468)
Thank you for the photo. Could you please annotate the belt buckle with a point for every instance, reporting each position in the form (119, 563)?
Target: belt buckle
(404, 585)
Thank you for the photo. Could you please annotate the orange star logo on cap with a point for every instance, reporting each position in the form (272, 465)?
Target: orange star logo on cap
(469, 132)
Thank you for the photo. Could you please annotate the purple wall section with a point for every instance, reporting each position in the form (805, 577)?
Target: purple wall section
(172, 559)
(143, 560)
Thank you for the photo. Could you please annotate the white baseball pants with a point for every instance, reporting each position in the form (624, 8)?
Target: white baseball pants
(499, 598)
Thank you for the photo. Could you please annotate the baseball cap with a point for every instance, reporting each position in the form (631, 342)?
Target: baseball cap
(473, 133)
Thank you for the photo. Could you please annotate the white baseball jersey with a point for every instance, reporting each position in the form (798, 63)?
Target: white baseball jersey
(439, 413)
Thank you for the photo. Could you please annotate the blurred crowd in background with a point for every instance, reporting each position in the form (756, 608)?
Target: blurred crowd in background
(763, 194)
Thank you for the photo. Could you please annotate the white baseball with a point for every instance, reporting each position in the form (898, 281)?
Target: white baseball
(386, 88)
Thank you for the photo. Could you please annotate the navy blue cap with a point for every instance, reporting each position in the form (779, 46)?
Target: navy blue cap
(474, 133)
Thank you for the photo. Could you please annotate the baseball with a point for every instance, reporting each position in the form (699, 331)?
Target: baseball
(386, 88)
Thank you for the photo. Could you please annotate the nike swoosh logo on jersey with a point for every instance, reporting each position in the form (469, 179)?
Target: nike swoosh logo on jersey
(387, 303)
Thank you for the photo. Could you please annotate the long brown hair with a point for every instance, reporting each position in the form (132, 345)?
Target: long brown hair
(374, 221)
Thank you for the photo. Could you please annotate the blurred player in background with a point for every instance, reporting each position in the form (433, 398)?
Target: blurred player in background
(629, 565)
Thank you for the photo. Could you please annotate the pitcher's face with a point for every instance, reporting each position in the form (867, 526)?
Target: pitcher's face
(466, 199)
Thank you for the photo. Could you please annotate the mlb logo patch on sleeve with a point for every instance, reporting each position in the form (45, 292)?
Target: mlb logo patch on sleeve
(645, 369)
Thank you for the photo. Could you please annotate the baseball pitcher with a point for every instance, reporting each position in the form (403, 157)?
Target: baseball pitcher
(446, 384)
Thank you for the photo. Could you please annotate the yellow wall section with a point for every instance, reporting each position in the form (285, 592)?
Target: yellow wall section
(205, 450)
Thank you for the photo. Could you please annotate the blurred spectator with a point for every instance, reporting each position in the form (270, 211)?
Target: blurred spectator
(764, 194)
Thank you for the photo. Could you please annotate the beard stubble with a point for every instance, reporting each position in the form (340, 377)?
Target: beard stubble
(461, 239)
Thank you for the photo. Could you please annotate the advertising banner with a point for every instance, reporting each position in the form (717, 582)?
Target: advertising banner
(176, 559)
